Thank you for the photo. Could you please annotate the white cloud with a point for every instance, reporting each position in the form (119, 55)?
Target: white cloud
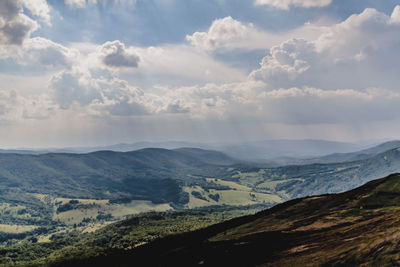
(395, 17)
(84, 3)
(38, 8)
(360, 52)
(99, 95)
(114, 54)
(78, 3)
(228, 34)
(43, 52)
(15, 26)
(221, 33)
(287, 4)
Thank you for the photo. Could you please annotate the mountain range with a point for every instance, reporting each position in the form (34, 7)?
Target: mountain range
(257, 150)
(44, 196)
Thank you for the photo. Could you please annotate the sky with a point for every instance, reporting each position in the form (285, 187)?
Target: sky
(98, 72)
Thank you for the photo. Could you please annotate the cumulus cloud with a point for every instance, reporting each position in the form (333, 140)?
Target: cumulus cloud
(395, 17)
(228, 34)
(360, 52)
(287, 4)
(15, 26)
(101, 95)
(43, 52)
(221, 33)
(38, 8)
(115, 54)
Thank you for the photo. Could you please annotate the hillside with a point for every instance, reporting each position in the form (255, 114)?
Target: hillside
(358, 227)
(347, 157)
(148, 174)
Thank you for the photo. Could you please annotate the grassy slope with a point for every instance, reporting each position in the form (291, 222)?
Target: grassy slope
(358, 227)
(119, 236)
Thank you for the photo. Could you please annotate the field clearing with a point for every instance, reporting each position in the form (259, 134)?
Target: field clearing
(96, 207)
(16, 229)
(82, 200)
(230, 184)
(241, 198)
(249, 179)
(229, 197)
(195, 202)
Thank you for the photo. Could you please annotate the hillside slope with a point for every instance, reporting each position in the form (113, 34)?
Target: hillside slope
(352, 156)
(358, 227)
(148, 174)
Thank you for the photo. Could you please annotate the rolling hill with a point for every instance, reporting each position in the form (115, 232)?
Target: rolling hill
(180, 178)
(358, 227)
(149, 174)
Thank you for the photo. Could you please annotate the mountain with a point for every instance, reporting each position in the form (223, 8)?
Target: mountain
(53, 192)
(346, 157)
(271, 149)
(250, 151)
(354, 228)
(166, 179)
(148, 174)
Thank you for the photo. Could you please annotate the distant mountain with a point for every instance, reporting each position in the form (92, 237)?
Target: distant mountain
(148, 174)
(184, 176)
(355, 228)
(250, 151)
(20, 151)
(346, 157)
(271, 149)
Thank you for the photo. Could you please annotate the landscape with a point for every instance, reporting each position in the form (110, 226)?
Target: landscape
(58, 208)
(199, 133)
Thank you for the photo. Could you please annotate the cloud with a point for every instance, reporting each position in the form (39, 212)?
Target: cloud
(14, 107)
(43, 52)
(287, 4)
(221, 33)
(360, 52)
(38, 8)
(395, 17)
(114, 54)
(229, 34)
(15, 26)
(177, 65)
(78, 3)
(100, 95)
(343, 74)
(84, 3)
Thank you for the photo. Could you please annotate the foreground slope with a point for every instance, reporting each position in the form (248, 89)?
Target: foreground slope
(358, 227)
